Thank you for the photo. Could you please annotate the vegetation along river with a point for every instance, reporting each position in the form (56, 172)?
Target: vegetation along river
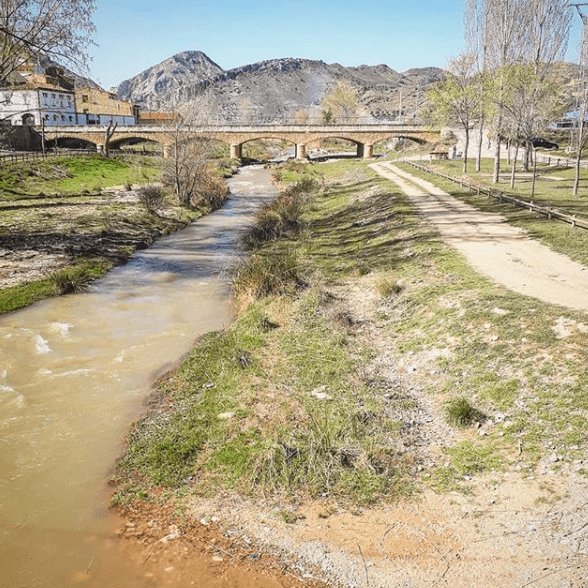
(75, 372)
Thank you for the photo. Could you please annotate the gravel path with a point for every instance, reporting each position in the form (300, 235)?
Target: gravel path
(493, 247)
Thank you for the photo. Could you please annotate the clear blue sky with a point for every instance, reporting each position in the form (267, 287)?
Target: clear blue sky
(133, 35)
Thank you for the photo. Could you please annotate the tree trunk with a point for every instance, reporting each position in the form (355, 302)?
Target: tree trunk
(514, 166)
(534, 155)
(496, 174)
(465, 150)
(480, 142)
(107, 136)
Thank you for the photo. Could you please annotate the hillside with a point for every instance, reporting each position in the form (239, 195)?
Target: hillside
(273, 89)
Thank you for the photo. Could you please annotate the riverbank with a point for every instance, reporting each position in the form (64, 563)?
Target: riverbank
(448, 410)
(66, 222)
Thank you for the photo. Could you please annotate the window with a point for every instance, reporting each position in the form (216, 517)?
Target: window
(84, 97)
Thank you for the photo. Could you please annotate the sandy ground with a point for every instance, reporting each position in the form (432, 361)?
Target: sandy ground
(493, 247)
(514, 530)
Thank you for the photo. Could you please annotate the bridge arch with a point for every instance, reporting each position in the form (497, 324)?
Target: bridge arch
(71, 142)
(120, 142)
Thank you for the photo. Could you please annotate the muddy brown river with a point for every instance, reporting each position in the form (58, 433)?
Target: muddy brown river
(74, 374)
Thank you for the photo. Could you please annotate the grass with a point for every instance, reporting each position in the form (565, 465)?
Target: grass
(283, 403)
(75, 175)
(460, 412)
(260, 424)
(65, 281)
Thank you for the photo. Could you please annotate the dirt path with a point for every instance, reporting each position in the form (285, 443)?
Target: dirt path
(493, 247)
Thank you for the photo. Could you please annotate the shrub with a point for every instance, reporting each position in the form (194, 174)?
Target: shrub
(151, 197)
(274, 272)
(282, 216)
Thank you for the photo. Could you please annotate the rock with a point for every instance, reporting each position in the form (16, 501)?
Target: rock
(320, 394)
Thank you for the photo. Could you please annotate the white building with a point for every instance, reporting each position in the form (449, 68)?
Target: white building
(33, 106)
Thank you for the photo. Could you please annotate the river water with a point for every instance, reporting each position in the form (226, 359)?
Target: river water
(74, 374)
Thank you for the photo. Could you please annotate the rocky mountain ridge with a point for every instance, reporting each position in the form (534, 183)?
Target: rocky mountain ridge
(276, 89)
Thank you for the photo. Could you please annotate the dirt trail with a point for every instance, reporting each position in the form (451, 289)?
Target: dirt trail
(496, 249)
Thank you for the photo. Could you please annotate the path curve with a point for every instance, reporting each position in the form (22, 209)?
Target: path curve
(496, 249)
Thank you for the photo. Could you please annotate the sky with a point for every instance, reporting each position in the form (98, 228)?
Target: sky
(133, 35)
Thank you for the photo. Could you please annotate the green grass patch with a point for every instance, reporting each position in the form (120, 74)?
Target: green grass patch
(280, 403)
(65, 281)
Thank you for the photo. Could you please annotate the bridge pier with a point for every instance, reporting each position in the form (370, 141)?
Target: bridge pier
(365, 150)
(300, 151)
(167, 151)
(236, 151)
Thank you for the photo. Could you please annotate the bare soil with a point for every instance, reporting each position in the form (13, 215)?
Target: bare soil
(27, 255)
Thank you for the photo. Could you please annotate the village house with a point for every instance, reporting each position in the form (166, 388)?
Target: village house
(47, 96)
(34, 98)
(100, 107)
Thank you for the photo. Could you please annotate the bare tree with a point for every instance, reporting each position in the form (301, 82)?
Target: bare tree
(583, 96)
(35, 30)
(513, 32)
(110, 130)
(474, 34)
(548, 32)
(188, 170)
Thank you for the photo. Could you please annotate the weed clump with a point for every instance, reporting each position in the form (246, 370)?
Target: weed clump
(459, 412)
(281, 217)
(264, 274)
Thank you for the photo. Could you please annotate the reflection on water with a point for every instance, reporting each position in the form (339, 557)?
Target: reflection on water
(74, 372)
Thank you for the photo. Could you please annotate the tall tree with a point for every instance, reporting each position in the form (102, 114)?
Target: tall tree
(511, 32)
(340, 104)
(457, 99)
(583, 97)
(35, 30)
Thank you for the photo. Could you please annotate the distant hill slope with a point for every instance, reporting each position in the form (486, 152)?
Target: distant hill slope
(271, 90)
(158, 85)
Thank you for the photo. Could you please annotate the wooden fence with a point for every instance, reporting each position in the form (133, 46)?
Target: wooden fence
(33, 155)
(549, 211)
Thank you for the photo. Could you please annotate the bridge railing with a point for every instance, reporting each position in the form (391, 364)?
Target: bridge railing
(352, 124)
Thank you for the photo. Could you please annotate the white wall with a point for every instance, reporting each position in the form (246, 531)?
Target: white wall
(16, 104)
(56, 107)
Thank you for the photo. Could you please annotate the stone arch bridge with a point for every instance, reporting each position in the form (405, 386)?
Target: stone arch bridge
(365, 136)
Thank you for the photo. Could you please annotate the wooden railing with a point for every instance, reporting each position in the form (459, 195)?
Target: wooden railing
(34, 155)
(549, 211)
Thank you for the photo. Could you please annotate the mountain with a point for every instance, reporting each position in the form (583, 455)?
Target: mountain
(158, 85)
(271, 90)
